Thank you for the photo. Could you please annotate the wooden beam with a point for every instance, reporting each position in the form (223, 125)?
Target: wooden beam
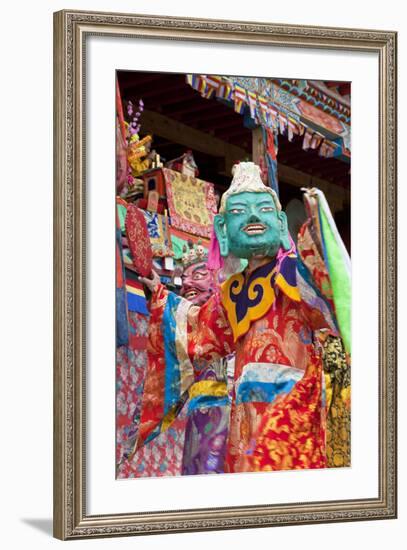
(168, 128)
(242, 133)
(206, 118)
(227, 124)
(257, 145)
(163, 90)
(132, 79)
(191, 107)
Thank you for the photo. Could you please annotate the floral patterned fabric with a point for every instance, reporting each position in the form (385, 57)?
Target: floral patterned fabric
(131, 362)
(192, 438)
(208, 421)
(312, 259)
(205, 440)
(283, 339)
(301, 413)
(163, 456)
(337, 376)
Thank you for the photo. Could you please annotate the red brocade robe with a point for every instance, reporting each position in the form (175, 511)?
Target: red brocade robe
(268, 320)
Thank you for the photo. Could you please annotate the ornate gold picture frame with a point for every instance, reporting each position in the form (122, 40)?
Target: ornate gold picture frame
(72, 29)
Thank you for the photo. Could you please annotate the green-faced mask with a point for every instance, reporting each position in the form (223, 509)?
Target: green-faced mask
(251, 226)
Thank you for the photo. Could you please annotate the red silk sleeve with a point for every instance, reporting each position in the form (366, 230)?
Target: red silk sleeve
(209, 334)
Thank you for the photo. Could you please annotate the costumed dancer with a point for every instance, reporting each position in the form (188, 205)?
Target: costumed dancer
(192, 439)
(268, 314)
(208, 405)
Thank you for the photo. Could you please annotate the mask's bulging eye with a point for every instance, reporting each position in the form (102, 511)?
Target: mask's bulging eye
(266, 209)
(236, 211)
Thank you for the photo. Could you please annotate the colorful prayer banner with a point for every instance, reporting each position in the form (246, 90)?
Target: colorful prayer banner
(274, 106)
(191, 203)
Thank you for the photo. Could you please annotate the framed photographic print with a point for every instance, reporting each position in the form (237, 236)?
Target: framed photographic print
(225, 274)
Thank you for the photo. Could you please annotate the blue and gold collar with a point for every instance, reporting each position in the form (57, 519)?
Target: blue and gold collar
(248, 297)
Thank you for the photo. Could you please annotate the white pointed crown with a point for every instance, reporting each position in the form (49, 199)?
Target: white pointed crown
(246, 177)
